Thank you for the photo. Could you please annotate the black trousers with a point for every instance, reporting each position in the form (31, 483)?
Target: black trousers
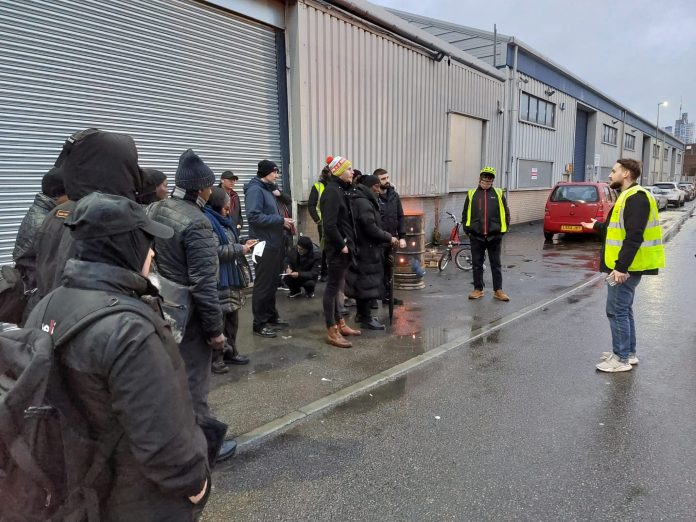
(363, 308)
(295, 284)
(338, 266)
(324, 266)
(479, 247)
(197, 356)
(263, 299)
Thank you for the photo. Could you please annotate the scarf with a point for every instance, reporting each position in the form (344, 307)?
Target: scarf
(229, 273)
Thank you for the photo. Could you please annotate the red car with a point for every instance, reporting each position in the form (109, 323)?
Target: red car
(571, 203)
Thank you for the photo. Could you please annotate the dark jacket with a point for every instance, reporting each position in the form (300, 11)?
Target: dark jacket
(122, 373)
(365, 278)
(313, 201)
(485, 213)
(337, 218)
(307, 266)
(190, 257)
(392, 213)
(263, 214)
(31, 223)
(636, 214)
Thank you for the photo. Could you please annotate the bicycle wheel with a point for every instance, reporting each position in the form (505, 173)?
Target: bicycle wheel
(463, 260)
(444, 260)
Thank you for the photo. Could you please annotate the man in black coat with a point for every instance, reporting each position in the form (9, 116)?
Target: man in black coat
(339, 244)
(190, 258)
(304, 265)
(365, 278)
(393, 222)
(485, 219)
(124, 372)
(266, 223)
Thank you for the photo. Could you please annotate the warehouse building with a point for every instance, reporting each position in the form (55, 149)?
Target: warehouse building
(560, 127)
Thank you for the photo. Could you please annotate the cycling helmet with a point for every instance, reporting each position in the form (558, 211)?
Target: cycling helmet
(488, 171)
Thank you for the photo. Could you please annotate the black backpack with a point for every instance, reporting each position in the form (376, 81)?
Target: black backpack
(48, 460)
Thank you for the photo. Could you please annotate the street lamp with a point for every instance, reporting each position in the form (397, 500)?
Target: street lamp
(657, 139)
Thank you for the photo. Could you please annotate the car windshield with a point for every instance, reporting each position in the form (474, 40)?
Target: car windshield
(664, 186)
(578, 193)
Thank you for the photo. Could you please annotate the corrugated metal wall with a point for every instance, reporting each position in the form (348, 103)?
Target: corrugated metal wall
(533, 142)
(172, 73)
(378, 102)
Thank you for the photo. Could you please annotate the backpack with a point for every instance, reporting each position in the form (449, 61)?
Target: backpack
(48, 460)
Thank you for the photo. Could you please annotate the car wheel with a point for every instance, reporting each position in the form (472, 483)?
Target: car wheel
(548, 236)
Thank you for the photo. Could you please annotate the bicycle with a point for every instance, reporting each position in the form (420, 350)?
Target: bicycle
(463, 256)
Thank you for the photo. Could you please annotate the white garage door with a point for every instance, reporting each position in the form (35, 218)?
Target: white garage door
(173, 74)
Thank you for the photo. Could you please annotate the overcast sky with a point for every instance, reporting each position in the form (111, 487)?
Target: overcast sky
(638, 52)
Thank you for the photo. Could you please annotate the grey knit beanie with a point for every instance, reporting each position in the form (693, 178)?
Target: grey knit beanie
(192, 173)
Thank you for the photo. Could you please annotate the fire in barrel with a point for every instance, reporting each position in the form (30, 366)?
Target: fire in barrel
(405, 277)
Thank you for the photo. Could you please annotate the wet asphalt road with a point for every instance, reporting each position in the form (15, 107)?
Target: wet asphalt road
(516, 426)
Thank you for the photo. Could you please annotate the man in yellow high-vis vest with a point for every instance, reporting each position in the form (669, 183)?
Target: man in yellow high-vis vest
(485, 219)
(314, 211)
(632, 248)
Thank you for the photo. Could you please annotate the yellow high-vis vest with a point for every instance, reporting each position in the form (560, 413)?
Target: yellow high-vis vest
(320, 189)
(651, 254)
(501, 207)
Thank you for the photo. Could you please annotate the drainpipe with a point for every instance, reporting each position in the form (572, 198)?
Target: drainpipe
(513, 102)
(623, 132)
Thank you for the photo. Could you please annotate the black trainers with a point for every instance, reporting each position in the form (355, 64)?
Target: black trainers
(292, 295)
(219, 367)
(371, 323)
(264, 331)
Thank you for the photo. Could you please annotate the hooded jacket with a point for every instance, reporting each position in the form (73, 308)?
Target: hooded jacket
(263, 215)
(365, 278)
(485, 213)
(124, 373)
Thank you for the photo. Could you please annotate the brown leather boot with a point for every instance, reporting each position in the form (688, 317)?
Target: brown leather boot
(334, 338)
(344, 329)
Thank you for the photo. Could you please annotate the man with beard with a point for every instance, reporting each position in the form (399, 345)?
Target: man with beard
(392, 214)
(228, 179)
(632, 248)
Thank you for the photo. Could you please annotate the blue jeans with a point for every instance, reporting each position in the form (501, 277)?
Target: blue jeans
(620, 314)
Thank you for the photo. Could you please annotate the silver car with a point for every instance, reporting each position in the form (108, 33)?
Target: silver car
(689, 189)
(675, 195)
(660, 197)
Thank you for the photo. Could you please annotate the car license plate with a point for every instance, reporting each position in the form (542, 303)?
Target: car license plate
(571, 228)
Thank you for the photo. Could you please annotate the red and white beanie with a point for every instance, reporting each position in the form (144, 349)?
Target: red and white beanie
(337, 165)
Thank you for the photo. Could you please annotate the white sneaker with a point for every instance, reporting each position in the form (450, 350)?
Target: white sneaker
(614, 364)
(632, 359)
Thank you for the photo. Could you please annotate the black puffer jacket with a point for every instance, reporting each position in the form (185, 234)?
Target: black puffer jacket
(308, 266)
(31, 223)
(122, 371)
(336, 217)
(392, 213)
(365, 279)
(190, 257)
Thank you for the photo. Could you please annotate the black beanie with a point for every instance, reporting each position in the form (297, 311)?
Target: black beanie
(369, 180)
(217, 199)
(265, 168)
(52, 183)
(305, 242)
(192, 173)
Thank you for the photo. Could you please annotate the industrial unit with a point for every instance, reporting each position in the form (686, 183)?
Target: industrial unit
(559, 127)
(242, 80)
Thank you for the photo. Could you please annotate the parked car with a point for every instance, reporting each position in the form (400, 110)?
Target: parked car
(660, 196)
(675, 195)
(571, 203)
(689, 189)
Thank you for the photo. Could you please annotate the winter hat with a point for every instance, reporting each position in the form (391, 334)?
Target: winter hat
(305, 242)
(337, 164)
(228, 174)
(265, 168)
(192, 173)
(369, 180)
(217, 199)
(52, 183)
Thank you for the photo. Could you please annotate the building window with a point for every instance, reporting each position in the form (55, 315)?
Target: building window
(630, 142)
(678, 157)
(665, 154)
(656, 151)
(536, 110)
(609, 135)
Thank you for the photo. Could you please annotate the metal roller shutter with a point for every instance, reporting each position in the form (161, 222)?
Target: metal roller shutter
(173, 74)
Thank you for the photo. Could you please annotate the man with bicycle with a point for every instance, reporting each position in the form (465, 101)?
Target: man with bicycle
(485, 219)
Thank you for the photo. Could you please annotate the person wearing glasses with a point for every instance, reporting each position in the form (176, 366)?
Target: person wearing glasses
(485, 219)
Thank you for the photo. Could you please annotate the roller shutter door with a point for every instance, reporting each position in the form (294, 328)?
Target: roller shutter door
(173, 74)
